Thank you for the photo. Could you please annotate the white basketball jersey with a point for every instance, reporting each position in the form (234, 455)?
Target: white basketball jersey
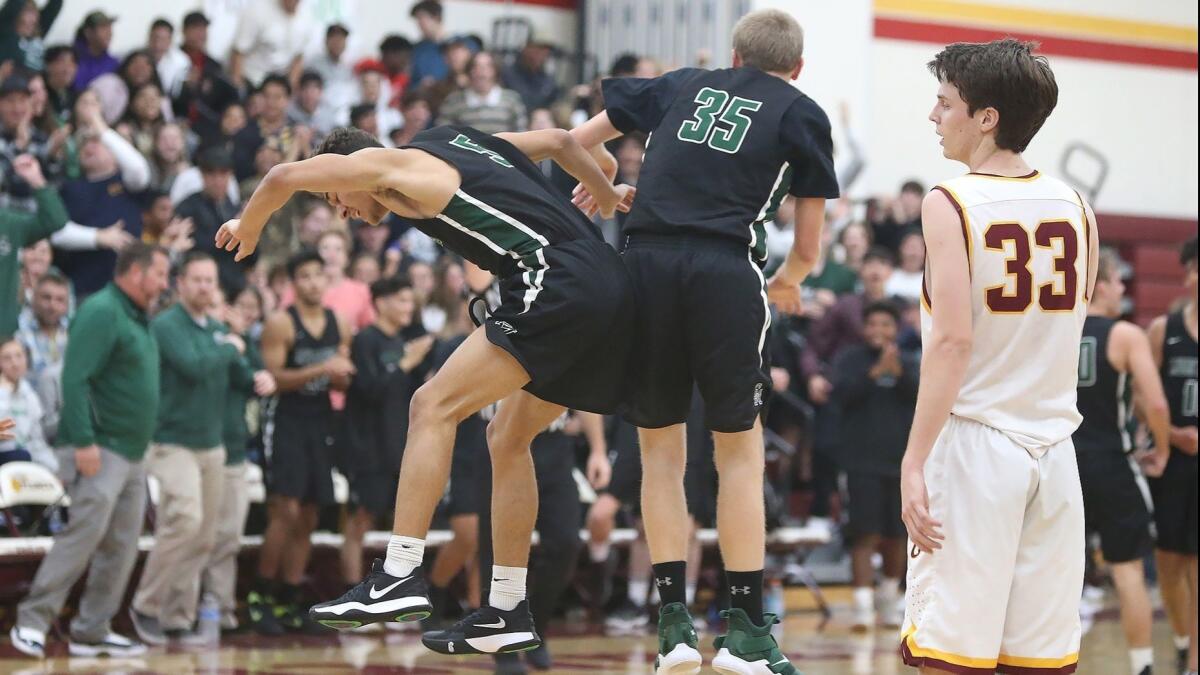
(1027, 246)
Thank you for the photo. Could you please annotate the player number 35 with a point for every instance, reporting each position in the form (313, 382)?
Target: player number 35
(717, 105)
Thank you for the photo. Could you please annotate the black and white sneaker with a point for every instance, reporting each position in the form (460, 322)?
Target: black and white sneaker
(28, 641)
(487, 630)
(378, 598)
(112, 645)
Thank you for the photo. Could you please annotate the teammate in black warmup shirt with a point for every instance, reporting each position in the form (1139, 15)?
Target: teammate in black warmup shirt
(306, 348)
(1173, 339)
(559, 338)
(726, 146)
(1111, 351)
(388, 369)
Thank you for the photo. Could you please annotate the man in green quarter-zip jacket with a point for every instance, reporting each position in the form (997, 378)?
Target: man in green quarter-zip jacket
(110, 403)
(219, 579)
(197, 362)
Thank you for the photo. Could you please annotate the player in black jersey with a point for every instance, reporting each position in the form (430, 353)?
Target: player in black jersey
(558, 340)
(1173, 339)
(1110, 352)
(307, 348)
(389, 365)
(726, 146)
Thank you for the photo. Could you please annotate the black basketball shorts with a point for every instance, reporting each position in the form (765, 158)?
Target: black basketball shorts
(1113, 505)
(1174, 495)
(874, 505)
(569, 322)
(299, 446)
(702, 317)
(464, 494)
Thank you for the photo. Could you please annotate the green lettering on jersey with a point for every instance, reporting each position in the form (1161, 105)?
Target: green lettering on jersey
(462, 141)
(1087, 361)
(716, 106)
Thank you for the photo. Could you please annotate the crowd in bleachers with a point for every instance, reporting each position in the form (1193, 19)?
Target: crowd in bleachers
(110, 162)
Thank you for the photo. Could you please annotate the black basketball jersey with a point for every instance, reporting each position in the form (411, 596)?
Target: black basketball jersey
(504, 210)
(1179, 371)
(1104, 393)
(725, 147)
(308, 350)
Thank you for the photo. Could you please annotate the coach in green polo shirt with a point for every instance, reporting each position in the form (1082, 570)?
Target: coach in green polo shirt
(110, 402)
(198, 362)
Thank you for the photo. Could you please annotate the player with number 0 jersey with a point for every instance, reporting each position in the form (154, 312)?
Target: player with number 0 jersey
(989, 484)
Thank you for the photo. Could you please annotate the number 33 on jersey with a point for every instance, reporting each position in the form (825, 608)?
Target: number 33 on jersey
(1027, 242)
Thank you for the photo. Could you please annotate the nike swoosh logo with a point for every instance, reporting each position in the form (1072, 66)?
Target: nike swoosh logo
(1174, 340)
(780, 663)
(377, 593)
(498, 625)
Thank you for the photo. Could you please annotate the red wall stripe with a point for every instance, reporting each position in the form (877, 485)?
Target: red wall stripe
(557, 4)
(919, 31)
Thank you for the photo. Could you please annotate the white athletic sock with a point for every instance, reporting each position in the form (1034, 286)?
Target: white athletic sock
(508, 587)
(404, 554)
(1183, 641)
(638, 588)
(690, 593)
(864, 597)
(1140, 659)
(599, 552)
(889, 589)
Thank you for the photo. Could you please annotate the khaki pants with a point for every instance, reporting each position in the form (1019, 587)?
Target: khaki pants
(220, 573)
(190, 486)
(100, 538)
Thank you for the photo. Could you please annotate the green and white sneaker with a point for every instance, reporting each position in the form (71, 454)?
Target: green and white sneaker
(677, 653)
(748, 649)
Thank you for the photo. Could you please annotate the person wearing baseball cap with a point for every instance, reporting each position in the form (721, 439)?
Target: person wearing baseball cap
(528, 75)
(92, 40)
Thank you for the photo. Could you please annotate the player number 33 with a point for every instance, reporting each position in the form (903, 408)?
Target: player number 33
(1057, 295)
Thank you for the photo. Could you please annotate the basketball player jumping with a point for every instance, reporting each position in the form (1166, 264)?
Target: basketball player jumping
(559, 339)
(989, 483)
(1111, 351)
(727, 146)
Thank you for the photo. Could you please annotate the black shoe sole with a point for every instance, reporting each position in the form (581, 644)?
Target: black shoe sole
(459, 646)
(356, 619)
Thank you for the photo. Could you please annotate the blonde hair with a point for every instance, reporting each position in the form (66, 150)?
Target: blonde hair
(770, 40)
(1107, 263)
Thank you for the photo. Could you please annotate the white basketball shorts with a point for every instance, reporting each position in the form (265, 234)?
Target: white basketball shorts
(1002, 594)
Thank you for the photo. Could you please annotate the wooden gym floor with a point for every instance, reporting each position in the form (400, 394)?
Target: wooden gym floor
(815, 649)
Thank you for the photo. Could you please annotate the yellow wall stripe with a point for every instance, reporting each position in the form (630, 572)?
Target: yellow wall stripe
(1042, 21)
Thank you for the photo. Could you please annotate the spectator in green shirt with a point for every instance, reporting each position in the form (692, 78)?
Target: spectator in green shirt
(110, 404)
(18, 230)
